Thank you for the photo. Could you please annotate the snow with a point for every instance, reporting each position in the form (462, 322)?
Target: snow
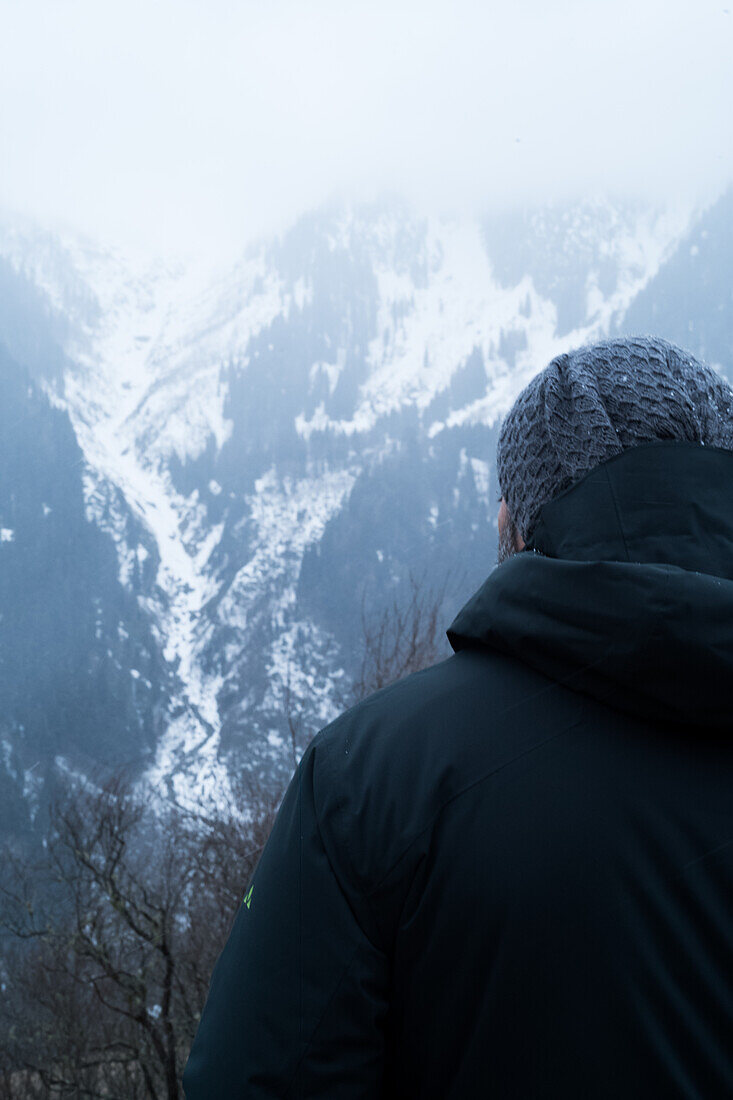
(481, 471)
(302, 669)
(331, 370)
(152, 346)
(149, 382)
(424, 334)
(287, 515)
(143, 387)
(187, 765)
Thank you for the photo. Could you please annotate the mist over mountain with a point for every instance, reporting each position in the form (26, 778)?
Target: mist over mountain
(202, 477)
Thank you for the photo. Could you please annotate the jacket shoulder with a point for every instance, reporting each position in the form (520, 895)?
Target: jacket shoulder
(386, 768)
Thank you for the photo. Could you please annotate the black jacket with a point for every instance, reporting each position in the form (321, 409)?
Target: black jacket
(511, 874)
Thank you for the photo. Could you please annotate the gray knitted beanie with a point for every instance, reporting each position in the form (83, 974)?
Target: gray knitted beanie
(591, 404)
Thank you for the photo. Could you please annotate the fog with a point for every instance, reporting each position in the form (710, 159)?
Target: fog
(176, 126)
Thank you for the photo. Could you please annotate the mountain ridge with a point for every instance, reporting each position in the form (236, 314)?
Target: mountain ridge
(260, 446)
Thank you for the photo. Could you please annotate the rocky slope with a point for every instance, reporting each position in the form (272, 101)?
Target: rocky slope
(232, 460)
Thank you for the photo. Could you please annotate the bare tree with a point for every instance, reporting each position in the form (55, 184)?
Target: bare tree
(115, 931)
(292, 717)
(111, 935)
(403, 637)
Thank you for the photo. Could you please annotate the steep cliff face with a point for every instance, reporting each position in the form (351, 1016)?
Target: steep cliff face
(82, 681)
(237, 459)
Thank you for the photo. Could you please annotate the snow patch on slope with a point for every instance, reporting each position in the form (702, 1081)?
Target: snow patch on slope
(147, 384)
(286, 515)
(425, 333)
(152, 347)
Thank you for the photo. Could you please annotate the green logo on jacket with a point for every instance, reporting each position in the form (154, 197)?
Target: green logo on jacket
(247, 899)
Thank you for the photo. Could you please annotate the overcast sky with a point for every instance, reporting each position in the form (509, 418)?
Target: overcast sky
(168, 124)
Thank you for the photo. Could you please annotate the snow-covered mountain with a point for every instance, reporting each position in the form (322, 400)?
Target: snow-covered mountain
(231, 458)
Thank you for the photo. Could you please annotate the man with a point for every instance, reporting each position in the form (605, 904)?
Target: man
(511, 875)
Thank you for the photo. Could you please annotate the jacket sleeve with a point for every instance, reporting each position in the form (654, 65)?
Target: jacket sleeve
(297, 999)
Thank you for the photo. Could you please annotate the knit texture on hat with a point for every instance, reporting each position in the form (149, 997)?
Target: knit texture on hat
(592, 403)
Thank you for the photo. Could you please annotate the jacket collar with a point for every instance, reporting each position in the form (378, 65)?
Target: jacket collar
(668, 502)
(625, 591)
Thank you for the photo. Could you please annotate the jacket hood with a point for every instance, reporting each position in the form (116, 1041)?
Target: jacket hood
(625, 590)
